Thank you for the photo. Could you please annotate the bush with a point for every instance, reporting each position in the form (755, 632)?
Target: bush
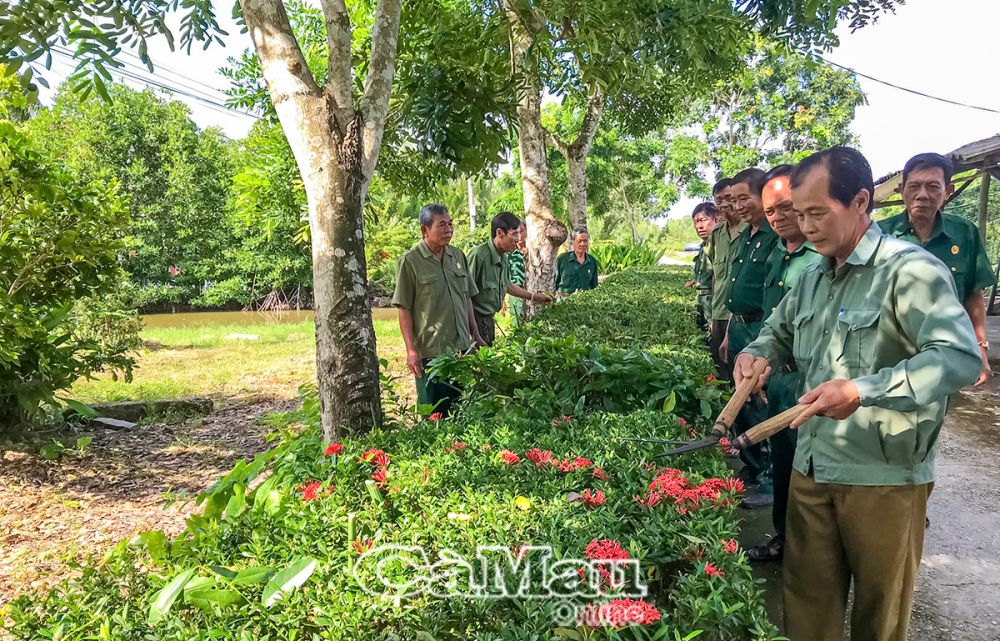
(280, 548)
(616, 257)
(61, 238)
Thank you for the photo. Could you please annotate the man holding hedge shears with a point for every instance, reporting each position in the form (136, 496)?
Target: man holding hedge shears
(881, 339)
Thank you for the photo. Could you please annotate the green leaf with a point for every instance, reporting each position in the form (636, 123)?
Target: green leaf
(669, 403)
(225, 573)
(164, 599)
(253, 575)
(236, 504)
(205, 599)
(155, 543)
(51, 451)
(82, 442)
(694, 539)
(288, 580)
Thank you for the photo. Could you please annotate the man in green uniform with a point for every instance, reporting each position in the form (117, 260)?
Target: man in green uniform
(881, 339)
(790, 257)
(518, 273)
(746, 303)
(954, 241)
(576, 269)
(704, 217)
(491, 272)
(720, 253)
(433, 292)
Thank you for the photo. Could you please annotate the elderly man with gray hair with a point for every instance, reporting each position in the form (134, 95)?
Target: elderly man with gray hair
(433, 296)
(576, 269)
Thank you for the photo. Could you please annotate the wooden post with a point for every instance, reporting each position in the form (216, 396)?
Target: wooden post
(984, 203)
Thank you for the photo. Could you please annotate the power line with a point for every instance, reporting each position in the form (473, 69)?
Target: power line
(208, 101)
(906, 89)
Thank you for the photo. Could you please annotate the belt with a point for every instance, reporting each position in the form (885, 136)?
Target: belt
(752, 317)
(788, 368)
(704, 292)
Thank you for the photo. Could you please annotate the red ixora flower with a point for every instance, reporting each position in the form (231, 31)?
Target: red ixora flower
(605, 550)
(310, 490)
(381, 477)
(592, 500)
(710, 379)
(333, 448)
(671, 483)
(362, 545)
(436, 416)
(456, 446)
(538, 457)
(619, 612)
(378, 458)
(508, 457)
(599, 474)
(681, 422)
(730, 546)
(712, 570)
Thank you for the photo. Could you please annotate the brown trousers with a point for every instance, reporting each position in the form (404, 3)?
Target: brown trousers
(836, 533)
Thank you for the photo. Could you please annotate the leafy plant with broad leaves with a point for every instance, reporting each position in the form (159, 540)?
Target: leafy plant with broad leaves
(59, 242)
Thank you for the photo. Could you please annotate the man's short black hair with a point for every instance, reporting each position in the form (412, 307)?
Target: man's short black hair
(707, 208)
(929, 161)
(506, 221)
(781, 171)
(753, 178)
(723, 183)
(849, 174)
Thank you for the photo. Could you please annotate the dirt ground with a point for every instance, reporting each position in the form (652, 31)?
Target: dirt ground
(957, 596)
(51, 511)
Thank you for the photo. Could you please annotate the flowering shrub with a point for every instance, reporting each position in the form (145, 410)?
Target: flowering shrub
(263, 561)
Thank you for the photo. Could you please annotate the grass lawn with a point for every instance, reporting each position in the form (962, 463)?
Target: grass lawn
(208, 361)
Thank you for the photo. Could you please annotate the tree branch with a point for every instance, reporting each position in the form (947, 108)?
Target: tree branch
(340, 74)
(591, 120)
(281, 60)
(378, 85)
(555, 143)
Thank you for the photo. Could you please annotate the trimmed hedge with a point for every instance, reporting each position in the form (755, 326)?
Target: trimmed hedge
(273, 558)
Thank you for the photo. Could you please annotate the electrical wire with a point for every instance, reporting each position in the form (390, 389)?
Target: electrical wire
(906, 89)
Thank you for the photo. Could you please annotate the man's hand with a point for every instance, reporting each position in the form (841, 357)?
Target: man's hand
(414, 364)
(724, 348)
(541, 297)
(986, 372)
(689, 283)
(743, 369)
(833, 399)
(480, 342)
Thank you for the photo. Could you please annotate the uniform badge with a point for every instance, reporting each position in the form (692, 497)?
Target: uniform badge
(954, 249)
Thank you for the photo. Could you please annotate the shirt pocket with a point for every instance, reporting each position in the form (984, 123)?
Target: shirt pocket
(802, 345)
(459, 281)
(858, 330)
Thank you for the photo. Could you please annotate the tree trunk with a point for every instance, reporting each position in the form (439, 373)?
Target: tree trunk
(576, 187)
(472, 205)
(576, 154)
(545, 233)
(335, 145)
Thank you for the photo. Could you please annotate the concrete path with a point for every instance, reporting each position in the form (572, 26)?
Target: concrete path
(958, 590)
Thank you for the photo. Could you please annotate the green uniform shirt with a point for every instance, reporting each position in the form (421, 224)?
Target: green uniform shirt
(956, 243)
(784, 270)
(572, 275)
(517, 274)
(746, 285)
(491, 271)
(437, 295)
(721, 251)
(703, 282)
(889, 320)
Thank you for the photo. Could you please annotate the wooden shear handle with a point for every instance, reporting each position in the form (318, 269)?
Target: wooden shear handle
(768, 428)
(738, 400)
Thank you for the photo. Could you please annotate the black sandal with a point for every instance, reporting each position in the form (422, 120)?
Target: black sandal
(773, 550)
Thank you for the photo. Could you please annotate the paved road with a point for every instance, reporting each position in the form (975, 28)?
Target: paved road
(958, 590)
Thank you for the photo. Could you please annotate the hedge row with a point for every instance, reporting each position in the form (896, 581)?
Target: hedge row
(540, 462)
